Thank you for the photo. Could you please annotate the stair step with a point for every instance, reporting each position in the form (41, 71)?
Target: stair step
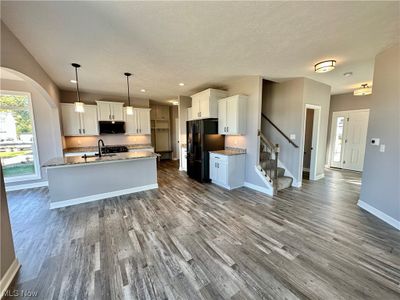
(271, 172)
(284, 182)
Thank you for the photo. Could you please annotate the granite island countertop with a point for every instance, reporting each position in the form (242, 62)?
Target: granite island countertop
(80, 160)
(95, 148)
(229, 152)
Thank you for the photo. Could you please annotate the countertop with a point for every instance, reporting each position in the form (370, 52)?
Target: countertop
(95, 149)
(74, 160)
(229, 152)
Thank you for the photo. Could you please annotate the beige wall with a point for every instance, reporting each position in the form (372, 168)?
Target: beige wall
(284, 104)
(6, 242)
(174, 134)
(344, 102)
(16, 57)
(91, 98)
(380, 179)
(252, 87)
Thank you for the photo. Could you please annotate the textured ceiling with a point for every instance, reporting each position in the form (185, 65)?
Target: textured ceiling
(201, 43)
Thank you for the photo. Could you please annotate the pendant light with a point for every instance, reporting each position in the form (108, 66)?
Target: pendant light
(363, 90)
(79, 106)
(129, 108)
(325, 66)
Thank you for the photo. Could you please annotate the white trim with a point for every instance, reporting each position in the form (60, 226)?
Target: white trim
(258, 188)
(96, 197)
(9, 276)
(379, 214)
(35, 151)
(319, 176)
(18, 187)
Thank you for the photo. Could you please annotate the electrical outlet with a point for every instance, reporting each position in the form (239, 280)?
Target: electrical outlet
(292, 136)
(382, 148)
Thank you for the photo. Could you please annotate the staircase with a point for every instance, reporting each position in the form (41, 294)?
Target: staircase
(268, 165)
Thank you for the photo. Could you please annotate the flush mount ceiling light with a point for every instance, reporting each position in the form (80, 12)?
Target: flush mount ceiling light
(79, 106)
(325, 66)
(72, 81)
(143, 90)
(181, 84)
(129, 108)
(363, 90)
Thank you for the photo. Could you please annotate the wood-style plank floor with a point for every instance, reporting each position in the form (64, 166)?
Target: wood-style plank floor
(192, 241)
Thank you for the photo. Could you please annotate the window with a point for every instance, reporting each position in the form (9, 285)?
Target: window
(337, 150)
(18, 150)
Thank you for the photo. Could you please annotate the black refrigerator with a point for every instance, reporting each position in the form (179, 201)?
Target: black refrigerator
(202, 136)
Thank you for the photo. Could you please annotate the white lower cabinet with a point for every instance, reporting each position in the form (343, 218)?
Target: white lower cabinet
(227, 170)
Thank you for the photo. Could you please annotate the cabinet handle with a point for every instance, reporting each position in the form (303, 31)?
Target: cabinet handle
(227, 129)
(80, 131)
(109, 117)
(84, 131)
(137, 130)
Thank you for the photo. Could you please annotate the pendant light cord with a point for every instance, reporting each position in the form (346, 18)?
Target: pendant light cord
(76, 66)
(129, 97)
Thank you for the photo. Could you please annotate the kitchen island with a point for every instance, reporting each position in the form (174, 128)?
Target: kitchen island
(76, 179)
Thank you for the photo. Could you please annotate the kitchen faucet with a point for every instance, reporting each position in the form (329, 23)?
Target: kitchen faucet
(99, 147)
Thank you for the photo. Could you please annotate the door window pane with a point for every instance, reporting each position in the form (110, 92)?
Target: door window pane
(17, 141)
(337, 150)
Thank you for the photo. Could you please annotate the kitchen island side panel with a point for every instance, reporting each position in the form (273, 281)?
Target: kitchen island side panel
(85, 180)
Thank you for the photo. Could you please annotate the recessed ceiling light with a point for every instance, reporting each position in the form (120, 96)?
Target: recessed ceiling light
(72, 81)
(181, 84)
(347, 74)
(143, 90)
(325, 66)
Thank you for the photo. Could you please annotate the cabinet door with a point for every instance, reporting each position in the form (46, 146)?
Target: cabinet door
(213, 169)
(232, 113)
(222, 172)
(222, 116)
(204, 107)
(103, 111)
(131, 124)
(117, 111)
(144, 121)
(70, 120)
(195, 108)
(89, 120)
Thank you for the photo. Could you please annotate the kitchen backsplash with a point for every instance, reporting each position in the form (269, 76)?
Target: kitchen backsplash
(235, 141)
(109, 139)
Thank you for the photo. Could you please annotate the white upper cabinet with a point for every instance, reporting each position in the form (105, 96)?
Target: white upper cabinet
(110, 111)
(232, 115)
(139, 122)
(205, 103)
(79, 124)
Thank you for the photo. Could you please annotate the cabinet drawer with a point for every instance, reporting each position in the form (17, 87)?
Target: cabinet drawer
(219, 157)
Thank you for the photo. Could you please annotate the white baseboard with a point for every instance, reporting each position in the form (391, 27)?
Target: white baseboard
(258, 188)
(25, 186)
(96, 197)
(9, 276)
(379, 214)
(319, 176)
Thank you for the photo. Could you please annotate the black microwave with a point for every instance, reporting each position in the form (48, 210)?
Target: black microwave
(111, 127)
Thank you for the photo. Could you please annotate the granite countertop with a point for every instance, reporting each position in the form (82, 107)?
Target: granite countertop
(230, 152)
(94, 148)
(74, 160)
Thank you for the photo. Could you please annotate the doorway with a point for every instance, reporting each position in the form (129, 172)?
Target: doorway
(310, 146)
(348, 139)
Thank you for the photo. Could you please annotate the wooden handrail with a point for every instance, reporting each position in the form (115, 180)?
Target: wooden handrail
(280, 131)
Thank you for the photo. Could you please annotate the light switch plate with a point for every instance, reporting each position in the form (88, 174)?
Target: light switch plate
(292, 136)
(382, 148)
(375, 141)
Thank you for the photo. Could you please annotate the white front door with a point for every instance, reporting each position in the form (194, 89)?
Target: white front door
(349, 137)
